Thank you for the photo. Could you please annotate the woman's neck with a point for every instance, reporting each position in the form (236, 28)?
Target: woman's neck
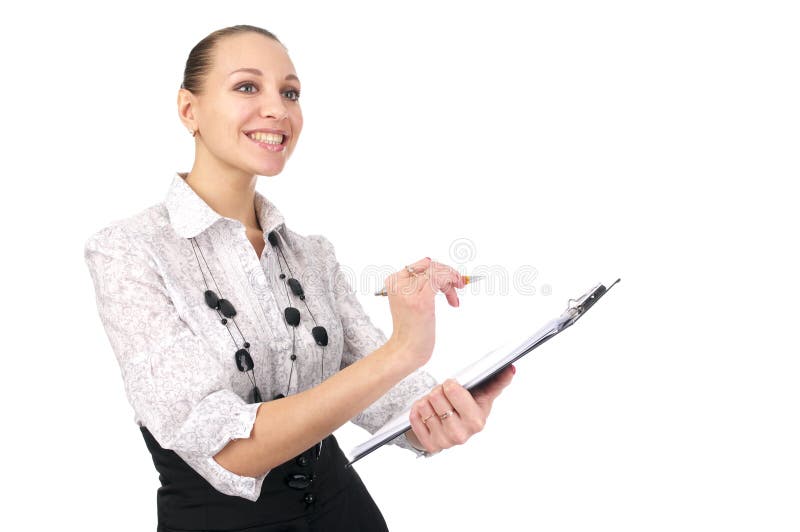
(232, 197)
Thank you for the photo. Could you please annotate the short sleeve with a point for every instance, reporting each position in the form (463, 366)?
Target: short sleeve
(362, 337)
(173, 381)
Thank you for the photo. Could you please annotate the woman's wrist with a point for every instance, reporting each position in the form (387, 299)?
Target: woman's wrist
(408, 353)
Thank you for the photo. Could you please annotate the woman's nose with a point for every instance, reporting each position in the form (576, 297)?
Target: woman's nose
(273, 107)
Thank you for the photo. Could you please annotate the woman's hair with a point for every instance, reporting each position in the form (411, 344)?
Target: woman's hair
(200, 58)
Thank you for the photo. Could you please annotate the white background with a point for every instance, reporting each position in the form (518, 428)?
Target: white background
(574, 142)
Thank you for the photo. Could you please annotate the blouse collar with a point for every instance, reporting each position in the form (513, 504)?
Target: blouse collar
(190, 215)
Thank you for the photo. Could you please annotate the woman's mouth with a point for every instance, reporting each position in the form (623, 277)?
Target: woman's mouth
(268, 141)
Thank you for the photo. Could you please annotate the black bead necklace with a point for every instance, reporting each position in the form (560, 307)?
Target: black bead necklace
(224, 308)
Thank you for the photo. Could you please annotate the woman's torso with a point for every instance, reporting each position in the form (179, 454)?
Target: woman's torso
(233, 267)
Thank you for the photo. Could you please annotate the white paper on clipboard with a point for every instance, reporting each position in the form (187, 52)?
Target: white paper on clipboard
(487, 366)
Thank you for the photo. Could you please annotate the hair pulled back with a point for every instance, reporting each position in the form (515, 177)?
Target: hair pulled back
(200, 59)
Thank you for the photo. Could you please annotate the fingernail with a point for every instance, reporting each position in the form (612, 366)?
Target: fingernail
(513, 369)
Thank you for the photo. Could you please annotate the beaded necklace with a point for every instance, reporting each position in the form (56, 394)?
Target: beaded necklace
(225, 309)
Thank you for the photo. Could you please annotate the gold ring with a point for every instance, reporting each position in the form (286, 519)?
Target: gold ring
(427, 418)
(446, 415)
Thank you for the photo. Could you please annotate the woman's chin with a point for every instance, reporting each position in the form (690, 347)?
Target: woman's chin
(269, 169)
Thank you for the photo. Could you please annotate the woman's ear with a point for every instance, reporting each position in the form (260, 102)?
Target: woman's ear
(186, 103)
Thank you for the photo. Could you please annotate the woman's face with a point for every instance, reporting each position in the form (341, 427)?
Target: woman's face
(250, 119)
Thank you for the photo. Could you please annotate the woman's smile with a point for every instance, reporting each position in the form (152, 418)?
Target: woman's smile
(269, 139)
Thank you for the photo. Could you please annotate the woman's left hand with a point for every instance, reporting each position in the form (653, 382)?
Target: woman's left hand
(449, 415)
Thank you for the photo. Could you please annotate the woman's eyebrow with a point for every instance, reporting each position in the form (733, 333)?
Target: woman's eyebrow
(257, 72)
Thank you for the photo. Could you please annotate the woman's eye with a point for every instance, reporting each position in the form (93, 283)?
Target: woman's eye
(245, 85)
(291, 94)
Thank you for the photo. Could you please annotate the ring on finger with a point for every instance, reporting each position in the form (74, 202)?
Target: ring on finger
(425, 421)
(446, 415)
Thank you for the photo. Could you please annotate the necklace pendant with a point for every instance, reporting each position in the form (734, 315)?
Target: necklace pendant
(320, 335)
(211, 299)
(243, 360)
(226, 308)
(255, 395)
(292, 316)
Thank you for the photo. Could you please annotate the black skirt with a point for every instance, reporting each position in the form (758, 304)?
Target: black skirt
(311, 492)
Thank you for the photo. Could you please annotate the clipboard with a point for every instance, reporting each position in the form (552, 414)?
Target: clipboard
(488, 366)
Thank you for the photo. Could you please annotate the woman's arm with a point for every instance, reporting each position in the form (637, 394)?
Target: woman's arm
(307, 417)
(286, 427)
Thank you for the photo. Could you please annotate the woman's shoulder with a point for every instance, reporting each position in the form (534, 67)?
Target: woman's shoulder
(131, 231)
(315, 245)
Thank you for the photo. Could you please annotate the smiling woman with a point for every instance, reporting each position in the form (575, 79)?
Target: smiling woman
(226, 104)
(241, 432)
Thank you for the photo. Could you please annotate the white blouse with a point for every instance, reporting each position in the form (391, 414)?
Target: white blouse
(177, 358)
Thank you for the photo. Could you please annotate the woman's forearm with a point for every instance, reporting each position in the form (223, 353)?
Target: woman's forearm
(288, 426)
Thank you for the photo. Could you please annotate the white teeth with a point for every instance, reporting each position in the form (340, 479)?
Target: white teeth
(269, 138)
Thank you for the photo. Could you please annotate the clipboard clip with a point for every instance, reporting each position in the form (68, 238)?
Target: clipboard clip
(577, 307)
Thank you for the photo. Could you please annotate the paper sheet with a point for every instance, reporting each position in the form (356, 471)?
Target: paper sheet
(469, 377)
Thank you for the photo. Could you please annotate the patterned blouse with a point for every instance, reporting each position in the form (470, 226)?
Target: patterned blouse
(175, 355)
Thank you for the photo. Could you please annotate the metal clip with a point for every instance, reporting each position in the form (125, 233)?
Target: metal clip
(576, 307)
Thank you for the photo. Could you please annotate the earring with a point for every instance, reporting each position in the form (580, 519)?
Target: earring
(193, 132)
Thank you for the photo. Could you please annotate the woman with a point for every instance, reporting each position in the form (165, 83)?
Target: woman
(240, 365)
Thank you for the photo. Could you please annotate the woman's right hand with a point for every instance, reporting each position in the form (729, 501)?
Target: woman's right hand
(411, 298)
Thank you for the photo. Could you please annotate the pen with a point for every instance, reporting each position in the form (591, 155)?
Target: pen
(467, 279)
